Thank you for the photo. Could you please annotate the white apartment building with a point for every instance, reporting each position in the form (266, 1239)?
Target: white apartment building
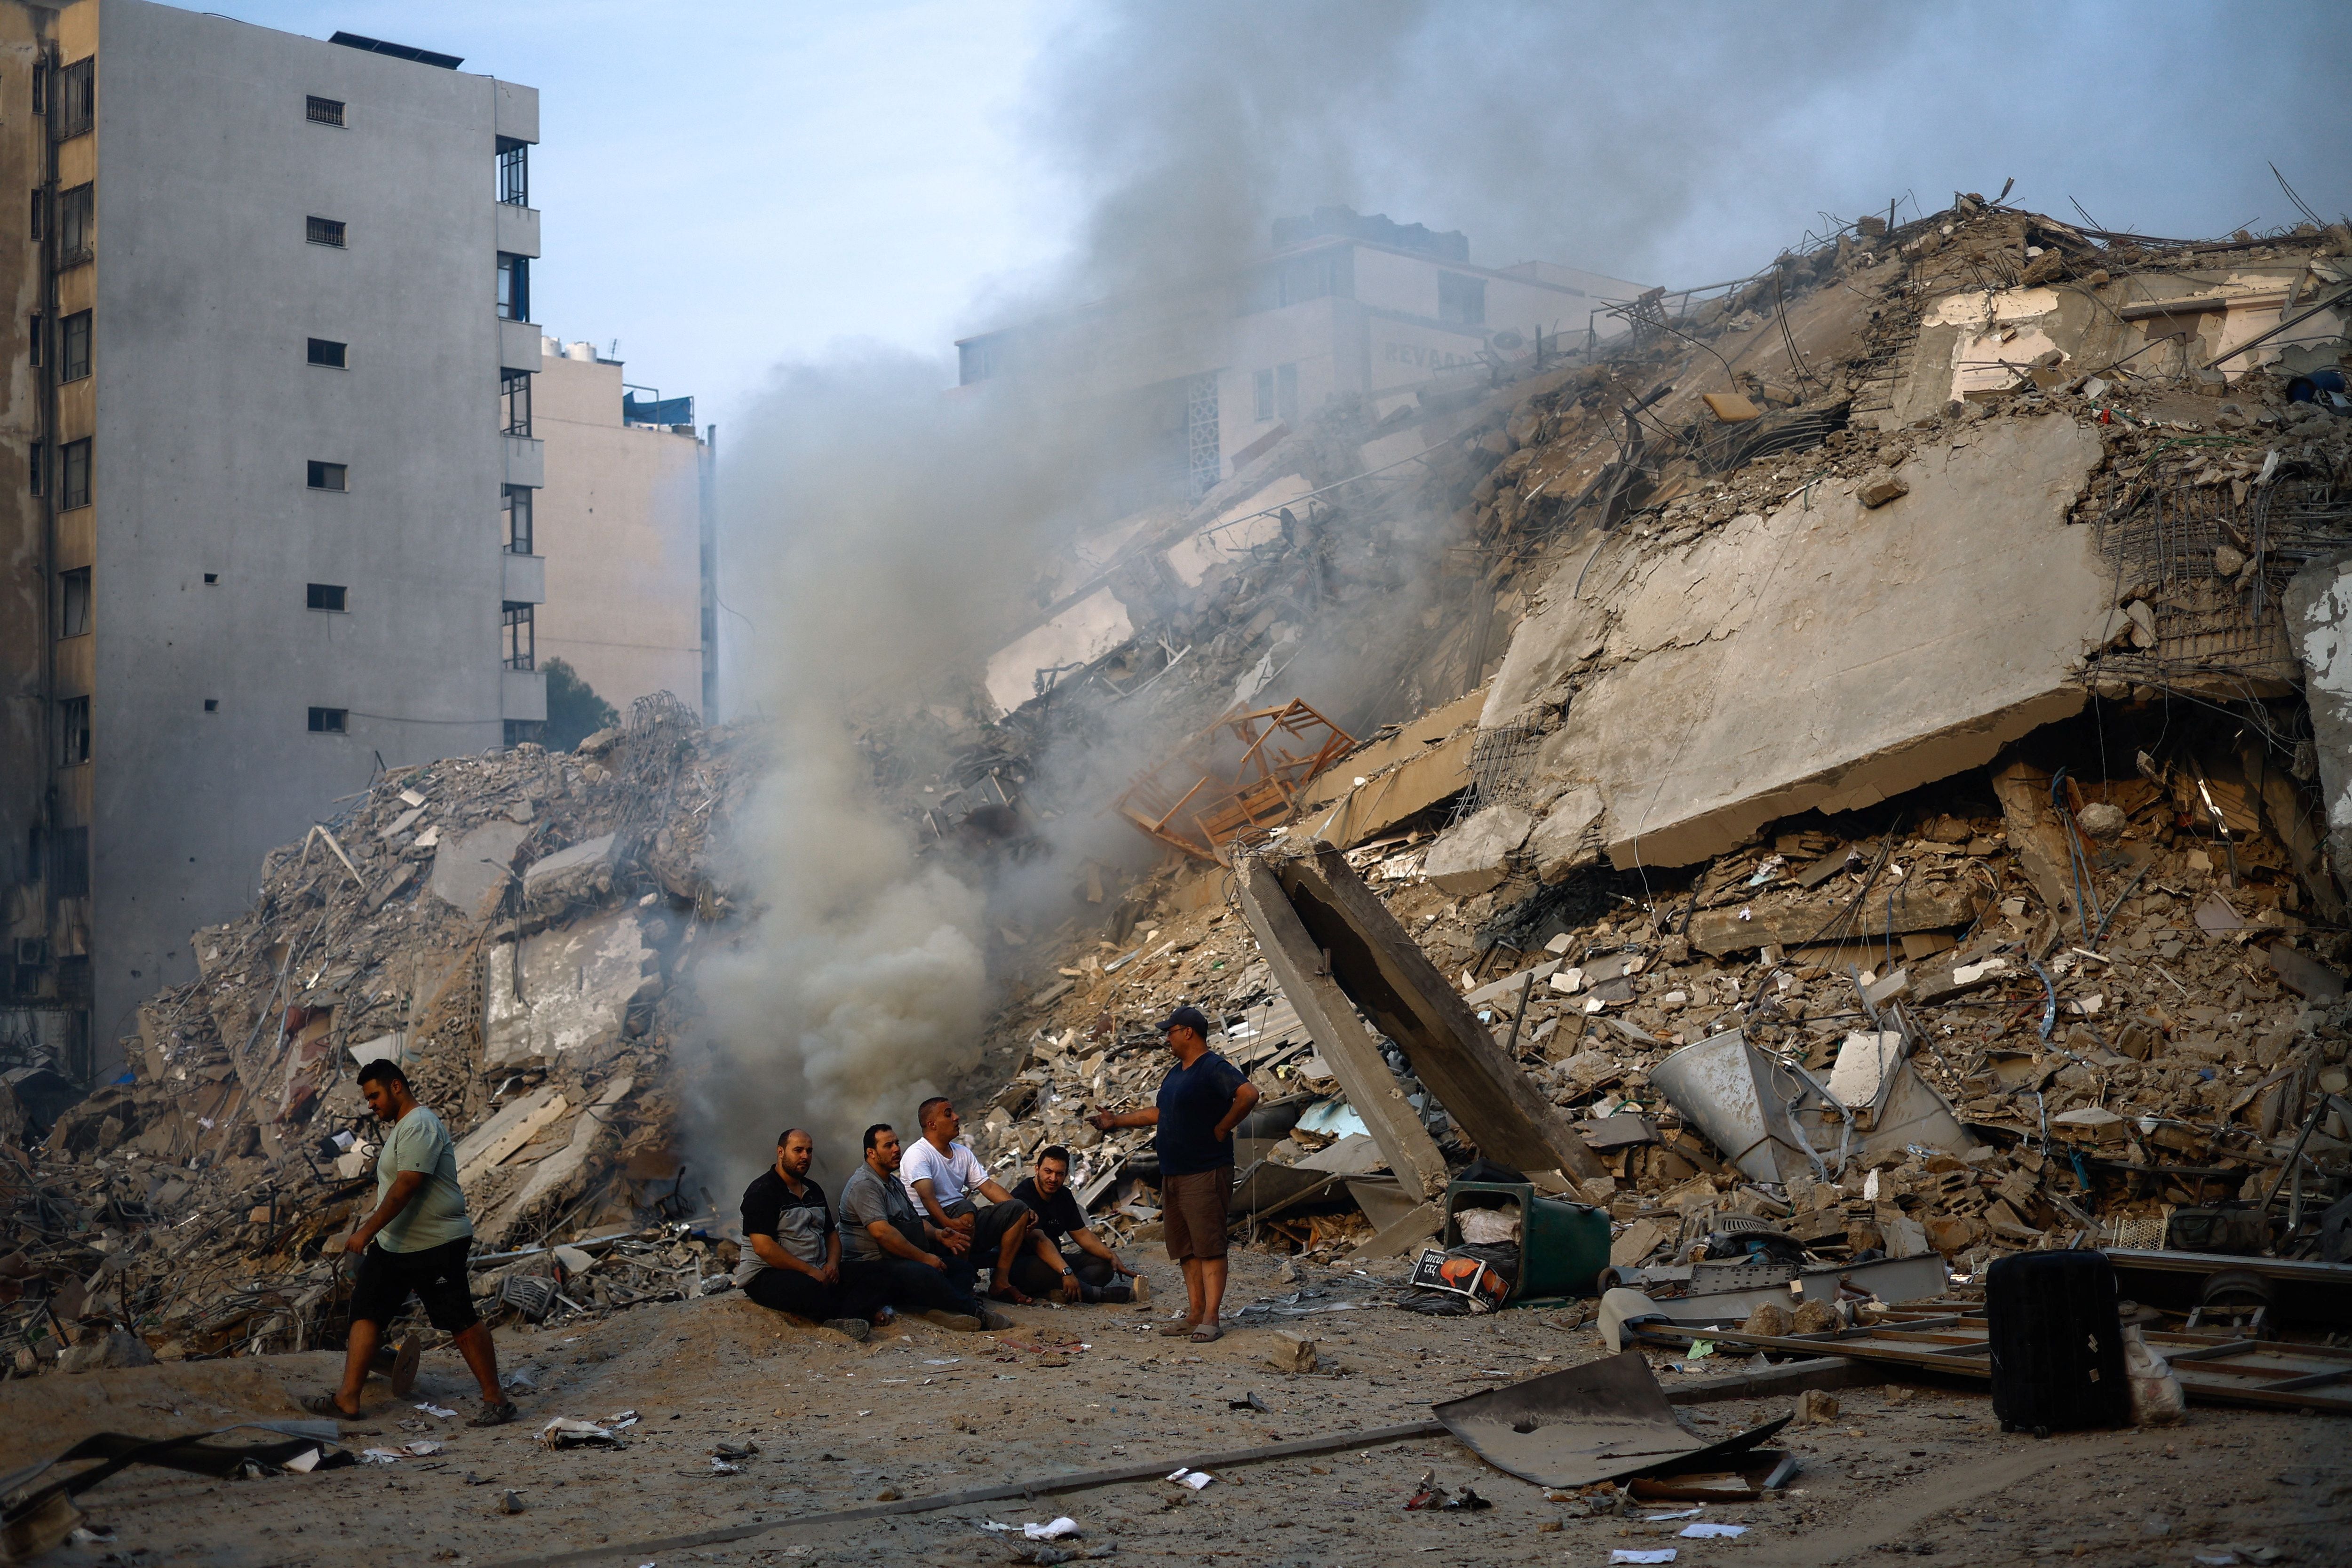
(624, 525)
(269, 406)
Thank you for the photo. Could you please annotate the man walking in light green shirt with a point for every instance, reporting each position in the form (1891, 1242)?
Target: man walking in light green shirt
(415, 1242)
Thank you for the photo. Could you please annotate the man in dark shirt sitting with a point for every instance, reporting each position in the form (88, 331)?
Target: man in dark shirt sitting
(792, 1249)
(1092, 1273)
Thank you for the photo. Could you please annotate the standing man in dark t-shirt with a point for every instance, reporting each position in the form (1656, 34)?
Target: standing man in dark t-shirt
(1201, 1101)
(792, 1247)
(1092, 1273)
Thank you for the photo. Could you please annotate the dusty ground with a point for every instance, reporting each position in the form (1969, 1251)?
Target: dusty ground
(1925, 1473)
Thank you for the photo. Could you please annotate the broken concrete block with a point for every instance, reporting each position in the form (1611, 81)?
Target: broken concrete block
(116, 1349)
(580, 874)
(598, 743)
(2100, 820)
(1877, 490)
(1474, 855)
(1560, 843)
(1730, 407)
(565, 992)
(1814, 1407)
(562, 1174)
(469, 870)
(1863, 1063)
(1638, 1241)
(1288, 1352)
(1898, 646)
(2319, 618)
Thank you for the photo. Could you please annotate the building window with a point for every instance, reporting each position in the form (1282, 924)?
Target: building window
(328, 720)
(327, 597)
(33, 220)
(516, 504)
(322, 111)
(73, 474)
(1461, 302)
(212, 704)
(514, 287)
(524, 732)
(521, 637)
(1301, 279)
(75, 211)
(73, 730)
(324, 231)
(38, 336)
(73, 346)
(331, 353)
(1278, 394)
(514, 172)
(40, 89)
(36, 476)
(984, 359)
(330, 477)
(65, 865)
(77, 96)
(73, 602)
(514, 402)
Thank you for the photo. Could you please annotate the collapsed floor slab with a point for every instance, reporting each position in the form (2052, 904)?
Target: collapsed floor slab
(1826, 655)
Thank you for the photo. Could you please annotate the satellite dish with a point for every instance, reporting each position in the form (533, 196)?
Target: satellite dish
(1507, 341)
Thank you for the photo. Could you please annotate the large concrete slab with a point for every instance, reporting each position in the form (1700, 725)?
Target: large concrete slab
(565, 992)
(1824, 655)
(2319, 618)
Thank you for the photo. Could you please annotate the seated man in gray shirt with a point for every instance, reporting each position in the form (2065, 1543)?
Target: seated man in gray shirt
(890, 1257)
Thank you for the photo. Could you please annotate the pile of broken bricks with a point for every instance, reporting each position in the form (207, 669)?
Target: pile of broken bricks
(1986, 1068)
(510, 927)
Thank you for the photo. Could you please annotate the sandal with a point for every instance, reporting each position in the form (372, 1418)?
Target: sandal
(324, 1404)
(496, 1415)
(1177, 1328)
(1011, 1297)
(1208, 1333)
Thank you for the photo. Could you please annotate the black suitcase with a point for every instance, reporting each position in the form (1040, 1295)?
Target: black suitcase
(2057, 1343)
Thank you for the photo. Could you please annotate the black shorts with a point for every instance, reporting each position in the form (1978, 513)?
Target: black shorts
(434, 1275)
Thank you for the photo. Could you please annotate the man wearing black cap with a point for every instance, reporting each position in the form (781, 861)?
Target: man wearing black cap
(1201, 1101)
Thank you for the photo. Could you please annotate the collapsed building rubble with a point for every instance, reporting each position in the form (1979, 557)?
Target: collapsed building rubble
(1860, 790)
(512, 928)
(1901, 823)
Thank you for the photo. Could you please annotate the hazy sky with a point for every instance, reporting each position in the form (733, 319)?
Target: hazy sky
(731, 186)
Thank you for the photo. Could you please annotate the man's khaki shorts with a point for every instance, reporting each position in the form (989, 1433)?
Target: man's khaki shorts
(1193, 1210)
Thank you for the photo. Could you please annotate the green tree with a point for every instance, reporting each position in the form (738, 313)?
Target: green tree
(574, 712)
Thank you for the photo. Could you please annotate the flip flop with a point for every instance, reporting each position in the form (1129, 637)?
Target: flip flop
(324, 1404)
(1207, 1333)
(496, 1415)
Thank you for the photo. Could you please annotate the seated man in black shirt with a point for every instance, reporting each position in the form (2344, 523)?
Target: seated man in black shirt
(1094, 1272)
(792, 1247)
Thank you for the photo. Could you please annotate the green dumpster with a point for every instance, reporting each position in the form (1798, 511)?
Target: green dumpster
(1563, 1245)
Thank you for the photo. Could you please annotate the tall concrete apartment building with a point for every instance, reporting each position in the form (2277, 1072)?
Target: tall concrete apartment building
(625, 527)
(269, 444)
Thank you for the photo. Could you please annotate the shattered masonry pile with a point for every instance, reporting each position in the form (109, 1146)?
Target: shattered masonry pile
(1936, 699)
(512, 926)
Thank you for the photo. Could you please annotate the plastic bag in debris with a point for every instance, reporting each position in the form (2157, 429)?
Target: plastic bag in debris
(1489, 1227)
(2156, 1397)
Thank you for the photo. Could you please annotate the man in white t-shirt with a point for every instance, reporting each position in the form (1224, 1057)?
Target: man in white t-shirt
(942, 1175)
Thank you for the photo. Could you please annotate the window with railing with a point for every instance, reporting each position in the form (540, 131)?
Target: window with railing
(514, 287)
(73, 730)
(324, 231)
(76, 97)
(521, 634)
(516, 505)
(322, 111)
(514, 402)
(76, 209)
(514, 172)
